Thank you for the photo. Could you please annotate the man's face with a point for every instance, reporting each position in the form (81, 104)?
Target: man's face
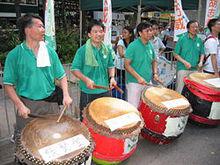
(193, 28)
(155, 29)
(36, 31)
(146, 34)
(216, 27)
(96, 34)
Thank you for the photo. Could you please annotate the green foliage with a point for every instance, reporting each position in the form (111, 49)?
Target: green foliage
(67, 44)
(8, 40)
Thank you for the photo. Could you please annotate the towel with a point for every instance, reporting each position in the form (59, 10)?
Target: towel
(43, 58)
(89, 54)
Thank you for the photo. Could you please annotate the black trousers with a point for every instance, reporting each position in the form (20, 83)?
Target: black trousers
(87, 98)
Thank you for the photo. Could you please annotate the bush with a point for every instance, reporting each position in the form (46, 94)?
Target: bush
(67, 44)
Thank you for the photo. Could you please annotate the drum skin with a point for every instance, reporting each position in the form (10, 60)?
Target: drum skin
(204, 99)
(43, 132)
(110, 149)
(161, 127)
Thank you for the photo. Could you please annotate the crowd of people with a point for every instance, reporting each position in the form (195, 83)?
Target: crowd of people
(32, 67)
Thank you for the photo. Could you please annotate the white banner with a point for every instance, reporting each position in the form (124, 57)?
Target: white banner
(50, 24)
(212, 10)
(181, 20)
(107, 20)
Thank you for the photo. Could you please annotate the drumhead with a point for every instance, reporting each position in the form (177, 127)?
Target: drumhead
(106, 108)
(43, 132)
(200, 77)
(156, 96)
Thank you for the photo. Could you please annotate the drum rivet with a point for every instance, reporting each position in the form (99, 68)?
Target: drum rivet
(157, 118)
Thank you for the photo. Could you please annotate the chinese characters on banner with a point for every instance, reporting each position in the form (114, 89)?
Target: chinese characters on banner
(50, 24)
(212, 10)
(181, 20)
(107, 20)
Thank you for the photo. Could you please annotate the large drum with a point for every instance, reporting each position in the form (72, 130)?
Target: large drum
(165, 113)
(203, 92)
(43, 141)
(114, 125)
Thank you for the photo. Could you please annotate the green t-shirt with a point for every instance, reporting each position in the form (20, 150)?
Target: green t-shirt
(98, 74)
(190, 50)
(141, 57)
(31, 81)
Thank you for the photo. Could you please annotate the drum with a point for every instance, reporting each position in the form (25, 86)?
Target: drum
(166, 71)
(114, 125)
(203, 92)
(165, 114)
(44, 141)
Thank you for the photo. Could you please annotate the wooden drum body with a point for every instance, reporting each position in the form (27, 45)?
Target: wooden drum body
(163, 124)
(113, 145)
(43, 141)
(204, 98)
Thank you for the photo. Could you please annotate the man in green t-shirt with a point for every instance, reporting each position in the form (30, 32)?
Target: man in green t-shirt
(93, 65)
(189, 52)
(140, 60)
(30, 72)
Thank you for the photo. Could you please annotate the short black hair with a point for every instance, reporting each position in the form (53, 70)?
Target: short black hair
(154, 22)
(212, 23)
(95, 23)
(141, 26)
(24, 22)
(191, 22)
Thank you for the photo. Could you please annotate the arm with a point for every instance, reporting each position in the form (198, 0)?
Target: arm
(111, 72)
(155, 70)
(22, 109)
(89, 83)
(66, 97)
(180, 59)
(121, 51)
(214, 64)
(130, 70)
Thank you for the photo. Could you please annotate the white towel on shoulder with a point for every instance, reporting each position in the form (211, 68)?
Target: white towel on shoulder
(43, 58)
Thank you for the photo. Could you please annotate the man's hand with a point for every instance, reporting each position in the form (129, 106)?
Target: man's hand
(89, 83)
(112, 82)
(23, 111)
(187, 65)
(141, 81)
(67, 100)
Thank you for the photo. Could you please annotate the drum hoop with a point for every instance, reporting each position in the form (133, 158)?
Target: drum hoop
(122, 134)
(164, 110)
(81, 157)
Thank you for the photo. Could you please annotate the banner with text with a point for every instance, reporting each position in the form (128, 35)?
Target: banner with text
(181, 20)
(212, 10)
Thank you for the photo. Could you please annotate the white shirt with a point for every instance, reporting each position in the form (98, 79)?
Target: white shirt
(157, 45)
(119, 62)
(170, 43)
(212, 46)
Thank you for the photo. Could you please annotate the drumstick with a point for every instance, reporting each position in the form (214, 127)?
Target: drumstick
(58, 120)
(35, 115)
(118, 89)
(101, 87)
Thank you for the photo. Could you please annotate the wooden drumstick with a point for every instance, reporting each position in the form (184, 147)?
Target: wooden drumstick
(58, 120)
(101, 87)
(118, 89)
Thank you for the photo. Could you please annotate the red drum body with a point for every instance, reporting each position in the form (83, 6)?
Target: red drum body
(162, 125)
(204, 99)
(111, 147)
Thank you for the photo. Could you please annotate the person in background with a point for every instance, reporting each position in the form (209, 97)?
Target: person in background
(212, 48)
(30, 71)
(127, 38)
(140, 63)
(157, 43)
(189, 52)
(93, 65)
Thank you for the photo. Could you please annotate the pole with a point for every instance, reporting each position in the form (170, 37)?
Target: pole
(139, 13)
(80, 24)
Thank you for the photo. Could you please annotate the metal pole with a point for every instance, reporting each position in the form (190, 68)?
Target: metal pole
(139, 13)
(80, 24)
(199, 10)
